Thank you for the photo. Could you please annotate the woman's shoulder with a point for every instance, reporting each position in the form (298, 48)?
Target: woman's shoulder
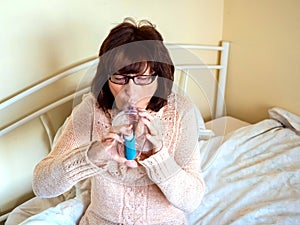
(183, 106)
(86, 100)
(180, 102)
(89, 97)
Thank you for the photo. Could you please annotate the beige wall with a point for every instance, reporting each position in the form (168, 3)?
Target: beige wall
(264, 57)
(40, 37)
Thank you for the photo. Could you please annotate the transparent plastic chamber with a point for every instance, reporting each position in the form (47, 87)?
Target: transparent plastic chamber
(134, 143)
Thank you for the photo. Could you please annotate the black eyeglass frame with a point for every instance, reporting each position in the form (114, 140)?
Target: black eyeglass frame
(127, 78)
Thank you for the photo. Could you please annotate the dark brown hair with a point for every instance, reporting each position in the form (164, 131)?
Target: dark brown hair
(127, 49)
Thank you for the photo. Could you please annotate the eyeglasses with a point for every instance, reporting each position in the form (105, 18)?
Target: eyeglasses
(123, 79)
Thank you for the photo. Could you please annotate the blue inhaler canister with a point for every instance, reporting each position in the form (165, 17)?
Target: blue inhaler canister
(130, 148)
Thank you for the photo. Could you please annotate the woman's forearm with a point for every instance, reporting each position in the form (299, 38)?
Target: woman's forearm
(56, 175)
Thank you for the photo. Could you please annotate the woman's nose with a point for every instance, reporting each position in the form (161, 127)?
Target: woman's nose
(130, 87)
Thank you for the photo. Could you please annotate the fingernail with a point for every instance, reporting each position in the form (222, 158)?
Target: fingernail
(131, 163)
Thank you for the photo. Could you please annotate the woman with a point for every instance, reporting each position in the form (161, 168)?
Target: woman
(163, 182)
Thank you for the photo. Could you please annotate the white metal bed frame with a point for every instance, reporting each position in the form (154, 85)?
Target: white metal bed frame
(220, 66)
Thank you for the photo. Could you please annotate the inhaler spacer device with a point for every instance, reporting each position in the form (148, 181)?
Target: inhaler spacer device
(130, 143)
(125, 117)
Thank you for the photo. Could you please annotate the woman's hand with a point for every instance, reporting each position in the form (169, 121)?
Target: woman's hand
(154, 135)
(110, 147)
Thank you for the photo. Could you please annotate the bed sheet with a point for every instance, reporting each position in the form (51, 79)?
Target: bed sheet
(254, 176)
(219, 127)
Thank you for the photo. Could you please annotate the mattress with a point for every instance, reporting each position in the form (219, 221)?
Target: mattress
(224, 125)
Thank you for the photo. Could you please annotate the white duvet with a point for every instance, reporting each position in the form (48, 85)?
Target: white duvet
(254, 176)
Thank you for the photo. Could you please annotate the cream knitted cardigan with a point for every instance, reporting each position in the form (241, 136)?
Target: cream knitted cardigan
(163, 187)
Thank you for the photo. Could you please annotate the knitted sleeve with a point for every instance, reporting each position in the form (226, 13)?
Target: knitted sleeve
(176, 171)
(67, 163)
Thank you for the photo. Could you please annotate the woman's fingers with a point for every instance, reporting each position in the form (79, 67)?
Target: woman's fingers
(114, 145)
(131, 163)
(154, 126)
(121, 129)
(109, 139)
(115, 134)
(121, 159)
(152, 129)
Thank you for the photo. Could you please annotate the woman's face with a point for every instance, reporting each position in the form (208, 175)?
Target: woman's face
(131, 93)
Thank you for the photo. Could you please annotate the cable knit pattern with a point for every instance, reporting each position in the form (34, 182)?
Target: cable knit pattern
(159, 191)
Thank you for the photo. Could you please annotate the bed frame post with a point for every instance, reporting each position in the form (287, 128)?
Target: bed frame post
(220, 103)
